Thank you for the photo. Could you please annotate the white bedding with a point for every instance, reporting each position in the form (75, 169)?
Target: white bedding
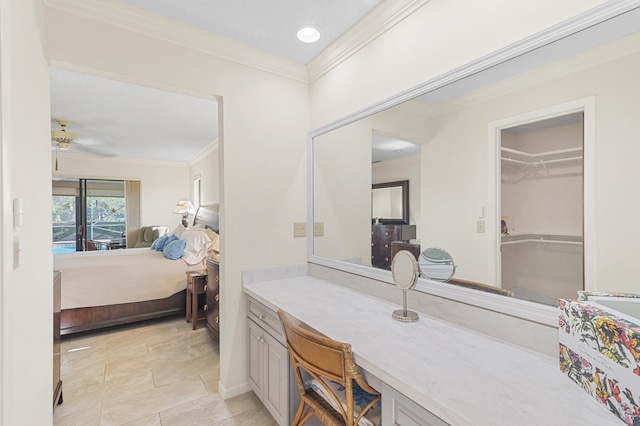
(97, 278)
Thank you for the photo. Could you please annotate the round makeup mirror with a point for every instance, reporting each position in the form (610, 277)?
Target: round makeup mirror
(436, 264)
(404, 269)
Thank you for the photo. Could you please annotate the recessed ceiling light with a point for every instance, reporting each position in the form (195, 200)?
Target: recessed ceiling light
(308, 34)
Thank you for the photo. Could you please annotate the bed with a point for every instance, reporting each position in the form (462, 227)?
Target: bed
(107, 288)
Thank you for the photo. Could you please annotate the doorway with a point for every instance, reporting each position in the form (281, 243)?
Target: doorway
(542, 208)
(545, 199)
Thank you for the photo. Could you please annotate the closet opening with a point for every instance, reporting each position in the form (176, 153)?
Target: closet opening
(542, 208)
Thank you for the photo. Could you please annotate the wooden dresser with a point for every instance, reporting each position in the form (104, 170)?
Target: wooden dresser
(381, 238)
(212, 306)
(57, 383)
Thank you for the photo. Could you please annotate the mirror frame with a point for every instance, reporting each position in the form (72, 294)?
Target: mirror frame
(404, 186)
(584, 26)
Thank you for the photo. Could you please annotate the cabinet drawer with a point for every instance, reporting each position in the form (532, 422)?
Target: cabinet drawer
(266, 318)
(398, 410)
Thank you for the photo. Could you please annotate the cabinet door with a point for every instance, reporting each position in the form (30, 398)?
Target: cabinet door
(268, 372)
(256, 359)
(276, 391)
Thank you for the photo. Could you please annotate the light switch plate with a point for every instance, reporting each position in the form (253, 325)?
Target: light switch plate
(299, 229)
(480, 226)
(318, 229)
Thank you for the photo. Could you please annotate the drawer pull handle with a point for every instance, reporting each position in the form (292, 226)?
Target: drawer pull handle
(206, 308)
(217, 297)
(261, 339)
(217, 320)
(205, 288)
(386, 246)
(262, 317)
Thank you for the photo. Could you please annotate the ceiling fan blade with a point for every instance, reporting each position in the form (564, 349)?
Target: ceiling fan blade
(91, 150)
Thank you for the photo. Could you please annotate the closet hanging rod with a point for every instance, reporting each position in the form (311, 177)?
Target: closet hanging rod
(541, 154)
(541, 240)
(539, 162)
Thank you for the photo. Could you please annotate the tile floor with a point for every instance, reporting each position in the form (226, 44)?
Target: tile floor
(159, 372)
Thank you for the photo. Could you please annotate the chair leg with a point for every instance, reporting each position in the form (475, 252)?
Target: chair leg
(300, 417)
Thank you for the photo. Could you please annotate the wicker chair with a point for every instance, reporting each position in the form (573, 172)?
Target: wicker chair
(327, 378)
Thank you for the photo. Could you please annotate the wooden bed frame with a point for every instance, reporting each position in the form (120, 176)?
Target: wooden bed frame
(92, 318)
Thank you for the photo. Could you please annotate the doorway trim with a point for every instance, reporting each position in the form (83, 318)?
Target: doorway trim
(587, 107)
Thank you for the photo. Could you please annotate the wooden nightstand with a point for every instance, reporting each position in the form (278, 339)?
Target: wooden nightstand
(195, 280)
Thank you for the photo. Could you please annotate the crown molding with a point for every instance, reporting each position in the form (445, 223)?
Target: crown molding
(377, 22)
(133, 19)
(202, 154)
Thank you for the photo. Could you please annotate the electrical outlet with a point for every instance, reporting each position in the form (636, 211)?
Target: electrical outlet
(480, 227)
(299, 229)
(318, 229)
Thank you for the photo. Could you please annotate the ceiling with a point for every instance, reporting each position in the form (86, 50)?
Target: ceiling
(268, 25)
(113, 118)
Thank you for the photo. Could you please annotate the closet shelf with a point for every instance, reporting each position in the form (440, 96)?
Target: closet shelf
(541, 240)
(545, 239)
(534, 162)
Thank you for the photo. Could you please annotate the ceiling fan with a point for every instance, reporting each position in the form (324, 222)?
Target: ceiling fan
(65, 140)
(62, 137)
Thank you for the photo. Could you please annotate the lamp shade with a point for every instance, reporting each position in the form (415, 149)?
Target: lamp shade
(184, 207)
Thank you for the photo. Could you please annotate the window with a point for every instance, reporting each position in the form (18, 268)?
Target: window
(87, 214)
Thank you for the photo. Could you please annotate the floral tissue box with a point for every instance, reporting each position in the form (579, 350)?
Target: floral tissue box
(600, 352)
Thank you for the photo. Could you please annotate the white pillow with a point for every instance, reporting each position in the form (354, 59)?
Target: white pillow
(197, 244)
(178, 231)
(197, 227)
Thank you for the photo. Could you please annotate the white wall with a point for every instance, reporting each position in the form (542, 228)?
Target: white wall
(440, 36)
(26, 292)
(162, 183)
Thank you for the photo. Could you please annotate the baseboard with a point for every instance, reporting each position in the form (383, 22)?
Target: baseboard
(233, 391)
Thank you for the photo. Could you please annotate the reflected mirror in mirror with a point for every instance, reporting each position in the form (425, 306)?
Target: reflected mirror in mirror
(436, 264)
(390, 202)
(404, 270)
(455, 179)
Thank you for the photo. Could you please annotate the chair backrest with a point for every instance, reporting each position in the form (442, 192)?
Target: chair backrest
(325, 359)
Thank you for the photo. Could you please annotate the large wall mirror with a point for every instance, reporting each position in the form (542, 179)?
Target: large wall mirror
(455, 177)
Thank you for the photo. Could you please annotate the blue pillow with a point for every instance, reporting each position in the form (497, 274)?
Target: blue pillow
(173, 249)
(160, 242)
(154, 244)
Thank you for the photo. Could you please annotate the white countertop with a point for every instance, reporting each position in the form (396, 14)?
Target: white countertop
(465, 378)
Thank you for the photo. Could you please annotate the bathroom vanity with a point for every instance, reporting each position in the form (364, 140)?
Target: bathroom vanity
(431, 372)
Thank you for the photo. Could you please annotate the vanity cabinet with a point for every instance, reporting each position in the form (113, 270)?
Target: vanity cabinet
(398, 410)
(212, 304)
(269, 371)
(381, 238)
